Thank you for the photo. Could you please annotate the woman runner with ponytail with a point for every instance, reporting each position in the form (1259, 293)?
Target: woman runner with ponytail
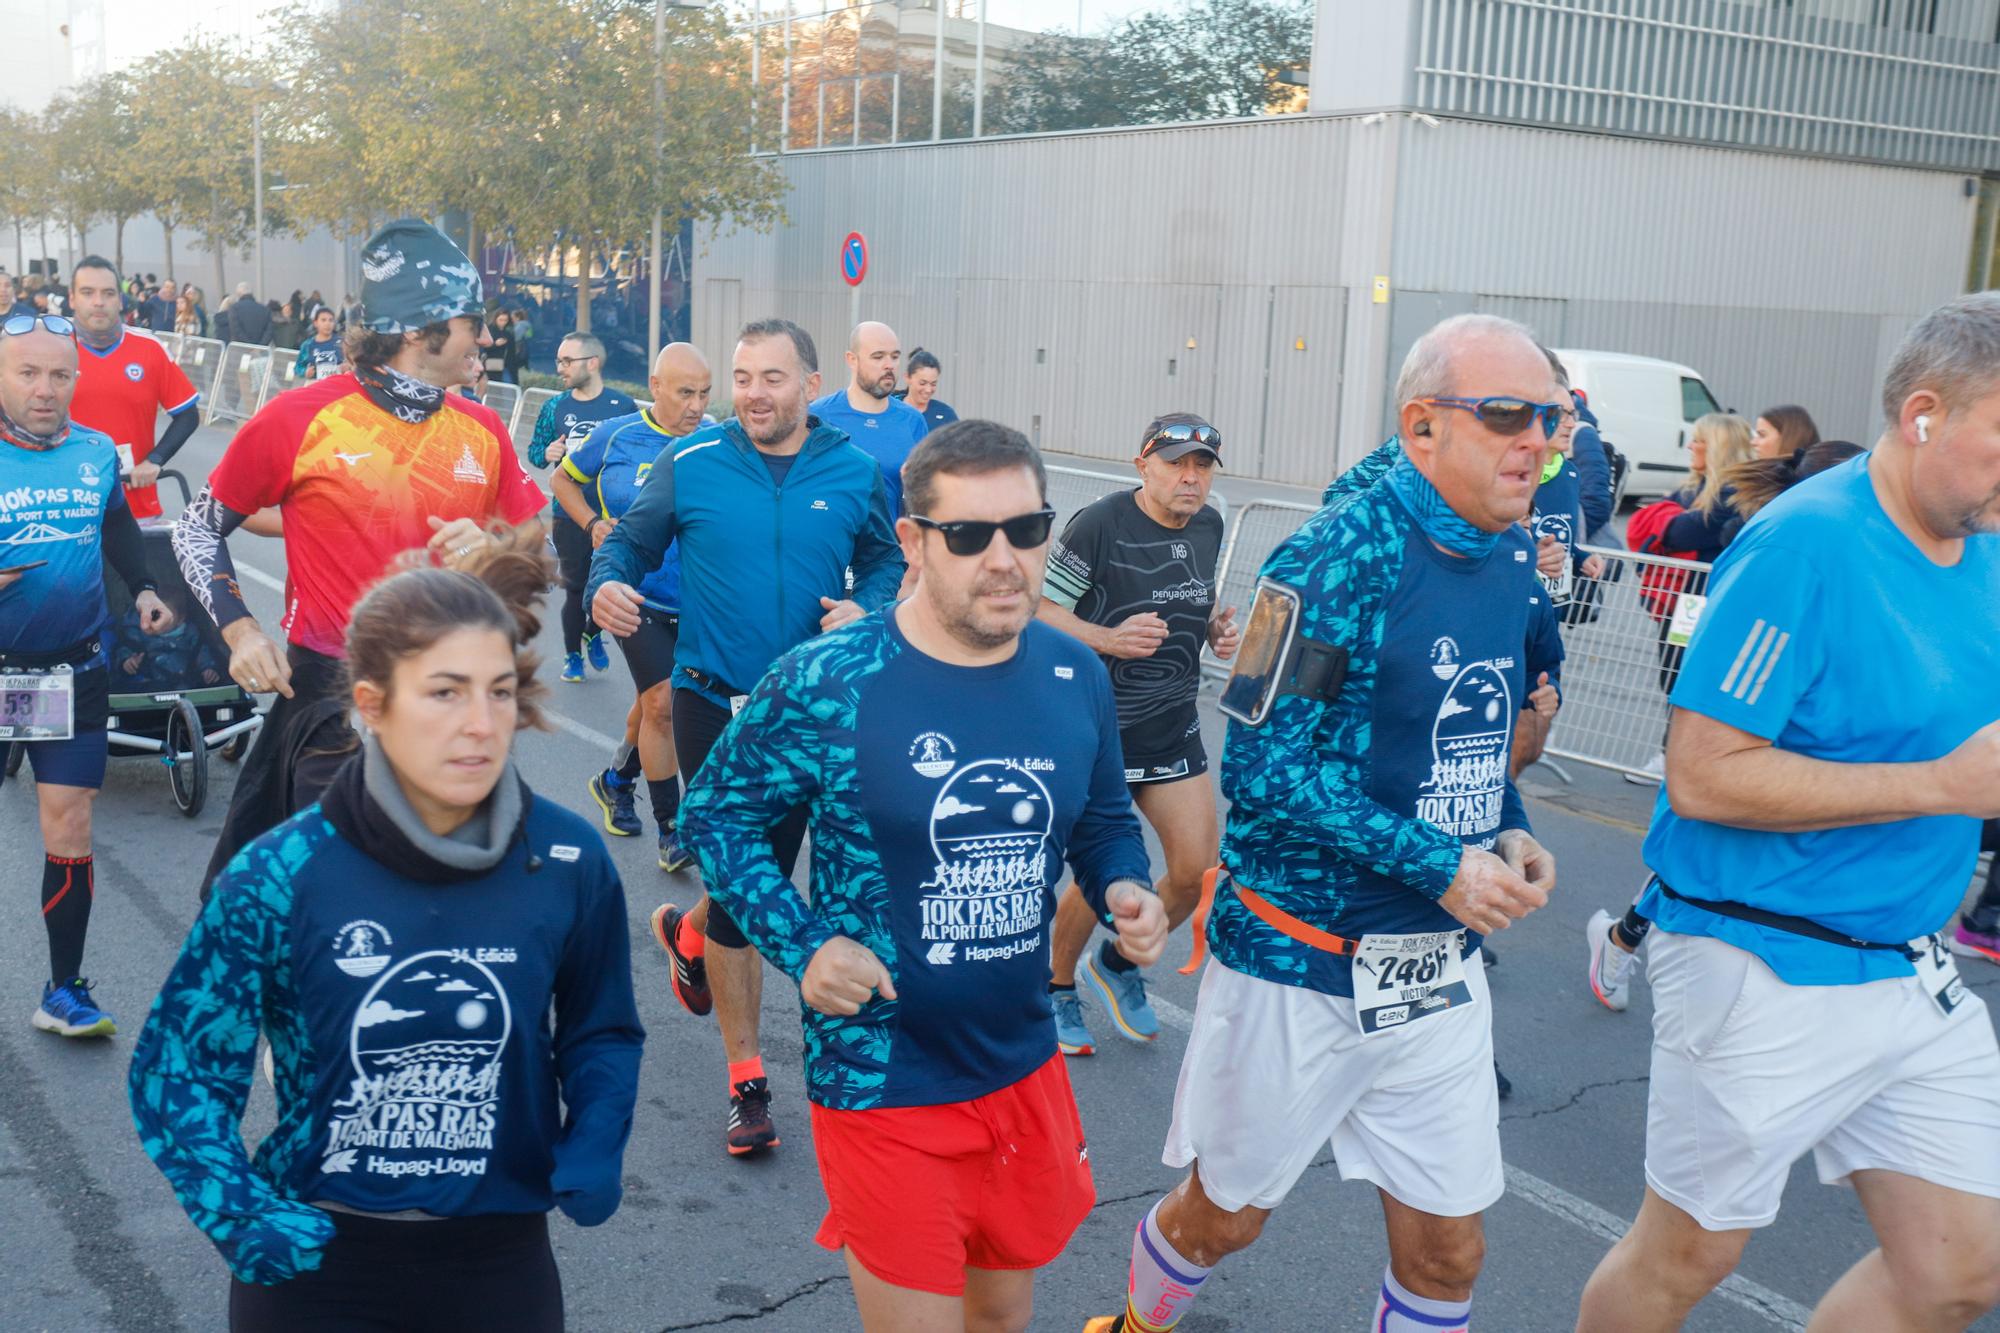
(403, 943)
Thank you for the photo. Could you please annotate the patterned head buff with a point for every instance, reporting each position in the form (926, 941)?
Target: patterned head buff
(412, 275)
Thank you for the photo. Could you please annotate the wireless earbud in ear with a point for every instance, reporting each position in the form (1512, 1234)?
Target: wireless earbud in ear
(1423, 428)
(1923, 430)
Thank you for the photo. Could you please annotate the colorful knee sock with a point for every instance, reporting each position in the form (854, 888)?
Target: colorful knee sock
(69, 886)
(1164, 1283)
(1401, 1311)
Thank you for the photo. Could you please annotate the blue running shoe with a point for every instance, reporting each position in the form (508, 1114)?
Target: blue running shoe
(600, 660)
(615, 800)
(573, 668)
(68, 1011)
(1124, 996)
(674, 855)
(1072, 1037)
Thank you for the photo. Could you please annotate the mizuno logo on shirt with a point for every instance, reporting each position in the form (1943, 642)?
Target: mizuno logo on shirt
(1755, 660)
(352, 459)
(468, 469)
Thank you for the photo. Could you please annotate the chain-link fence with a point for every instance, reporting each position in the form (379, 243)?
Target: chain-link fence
(1624, 634)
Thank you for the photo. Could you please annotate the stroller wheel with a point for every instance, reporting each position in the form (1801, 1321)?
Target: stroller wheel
(233, 748)
(187, 758)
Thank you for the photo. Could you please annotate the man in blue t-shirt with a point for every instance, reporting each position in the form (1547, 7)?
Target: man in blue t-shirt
(597, 481)
(1373, 837)
(62, 515)
(884, 426)
(565, 419)
(951, 753)
(1835, 744)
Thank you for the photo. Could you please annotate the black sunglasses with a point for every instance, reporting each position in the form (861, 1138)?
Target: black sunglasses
(17, 325)
(1182, 432)
(967, 536)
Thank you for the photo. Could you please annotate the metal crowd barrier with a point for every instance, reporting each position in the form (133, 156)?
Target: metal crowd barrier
(285, 373)
(1259, 527)
(241, 382)
(200, 359)
(506, 400)
(1621, 660)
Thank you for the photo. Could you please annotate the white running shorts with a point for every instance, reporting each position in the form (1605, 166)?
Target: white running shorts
(1750, 1072)
(1274, 1071)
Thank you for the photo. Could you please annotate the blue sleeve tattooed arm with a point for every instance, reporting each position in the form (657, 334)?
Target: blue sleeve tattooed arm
(597, 1044)
(191, 1073)
(544, 436)
(1106, 844)
(1306, 767)
(767, 762)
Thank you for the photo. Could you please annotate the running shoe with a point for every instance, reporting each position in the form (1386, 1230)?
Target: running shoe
(600, 660)
(674, 854)
(68, 1011)
(750, 1126)
(1124, 996)
(616, 801)
(573, 668)
(690, 975)
(1072, 1036)
(1610, 966)
(1105, 1323)
(1652, 774)
(1967, 942)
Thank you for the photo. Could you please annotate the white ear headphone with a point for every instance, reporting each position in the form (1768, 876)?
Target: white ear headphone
(1923, 430)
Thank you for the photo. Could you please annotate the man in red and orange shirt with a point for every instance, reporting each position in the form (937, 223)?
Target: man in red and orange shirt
(363, 467)
(124, 380)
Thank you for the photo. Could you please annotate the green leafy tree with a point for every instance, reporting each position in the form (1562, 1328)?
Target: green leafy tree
(1212, 60)
(27, 161)
(97, 169)
(192, 130)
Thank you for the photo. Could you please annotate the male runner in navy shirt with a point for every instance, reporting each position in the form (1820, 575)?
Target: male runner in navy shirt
(1834, 748)
(952, 753)
(886, 427)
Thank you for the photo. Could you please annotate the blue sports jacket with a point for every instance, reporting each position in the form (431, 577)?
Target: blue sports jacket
(756, 556)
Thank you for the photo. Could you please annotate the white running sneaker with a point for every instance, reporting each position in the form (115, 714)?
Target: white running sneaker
(1610, 966)
(1652, 775)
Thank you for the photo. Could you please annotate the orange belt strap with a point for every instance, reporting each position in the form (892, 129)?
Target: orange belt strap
(1286, 924)
(1199, 953)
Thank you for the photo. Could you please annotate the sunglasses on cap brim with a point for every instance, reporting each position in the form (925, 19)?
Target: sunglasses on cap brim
(1183, 432)
(16, 325)
(968, 536)
(1507, 416)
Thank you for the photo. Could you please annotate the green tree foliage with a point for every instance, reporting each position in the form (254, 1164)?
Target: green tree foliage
(192, 121)
(1211, 60)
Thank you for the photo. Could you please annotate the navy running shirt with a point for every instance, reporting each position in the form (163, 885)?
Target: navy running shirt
(886, 436)
(944, 800)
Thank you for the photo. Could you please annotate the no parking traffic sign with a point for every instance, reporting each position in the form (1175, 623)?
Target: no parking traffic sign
(854, 258)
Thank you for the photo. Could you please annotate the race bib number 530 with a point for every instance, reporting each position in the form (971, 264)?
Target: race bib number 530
(1403, 979)
(37, 705)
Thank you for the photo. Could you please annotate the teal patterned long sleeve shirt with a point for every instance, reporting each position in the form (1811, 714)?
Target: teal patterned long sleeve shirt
(1352, 815)
(943, 801)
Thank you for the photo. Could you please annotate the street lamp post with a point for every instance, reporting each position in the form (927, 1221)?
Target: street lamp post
(259, 90)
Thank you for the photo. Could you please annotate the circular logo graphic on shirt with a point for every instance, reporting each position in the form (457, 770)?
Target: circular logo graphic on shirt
(433, 1029)
(134, 372)
(358, 948)
(991, 813)
(932, 754)
(87, 473)
(1464, 790)
(1444, 658)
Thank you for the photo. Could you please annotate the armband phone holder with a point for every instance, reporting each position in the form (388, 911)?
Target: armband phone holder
(1276, 660)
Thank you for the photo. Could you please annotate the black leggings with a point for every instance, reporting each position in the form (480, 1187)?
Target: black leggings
(573, 554)
(698, 724)
(379, 1275)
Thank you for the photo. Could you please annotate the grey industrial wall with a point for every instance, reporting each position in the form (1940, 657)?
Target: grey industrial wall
(1077, 285)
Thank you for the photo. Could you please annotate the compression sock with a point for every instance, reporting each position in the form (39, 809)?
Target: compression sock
(68, 888)
(666, 794)
(742, 1071)
(1164, 1284)
(1111, 960)
(574, 622)
(691, 942)
(1629, 932)
(1399, 1311)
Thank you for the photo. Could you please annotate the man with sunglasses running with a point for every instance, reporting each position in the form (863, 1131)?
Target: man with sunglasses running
(62, 514)
(1373, 837)
(952, 754)
(1134, 578)
(771, 509)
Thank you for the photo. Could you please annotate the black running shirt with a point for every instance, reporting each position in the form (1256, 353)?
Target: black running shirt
(1113, 562)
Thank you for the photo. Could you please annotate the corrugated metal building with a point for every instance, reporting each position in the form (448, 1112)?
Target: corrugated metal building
(1769, 193)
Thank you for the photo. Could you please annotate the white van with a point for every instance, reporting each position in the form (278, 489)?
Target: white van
(1646, 408)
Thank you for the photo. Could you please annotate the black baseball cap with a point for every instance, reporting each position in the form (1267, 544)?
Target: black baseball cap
(1172, 437)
